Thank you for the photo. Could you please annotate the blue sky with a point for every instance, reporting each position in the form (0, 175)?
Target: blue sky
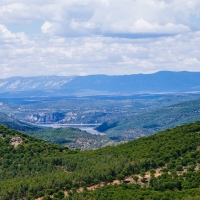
(113, 37)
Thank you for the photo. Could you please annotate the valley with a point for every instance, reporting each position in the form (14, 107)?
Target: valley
(138, 146)
(100, 100)
(115, 119)
(87, 110)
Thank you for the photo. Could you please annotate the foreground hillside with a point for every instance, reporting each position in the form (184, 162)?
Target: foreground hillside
(31, 168)
(151, 122)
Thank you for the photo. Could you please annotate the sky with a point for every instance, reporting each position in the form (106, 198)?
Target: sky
(113, 37)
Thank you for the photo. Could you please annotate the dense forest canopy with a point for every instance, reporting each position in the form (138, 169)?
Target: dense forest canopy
(32, 168)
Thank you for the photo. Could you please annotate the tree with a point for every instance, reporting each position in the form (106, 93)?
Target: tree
(46, 197)
(152, 171)
(179, 168)
(59, 195)
(135, 178)
(120, 177)
(142, 174)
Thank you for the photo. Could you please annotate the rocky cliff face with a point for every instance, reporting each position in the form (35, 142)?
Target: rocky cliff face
(33, 83)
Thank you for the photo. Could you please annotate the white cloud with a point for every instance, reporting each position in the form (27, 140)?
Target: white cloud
(86, 55)
(5, 33)
(191, 61)
(96, 37)
(47, 27)
(7, 36)
(104, 16)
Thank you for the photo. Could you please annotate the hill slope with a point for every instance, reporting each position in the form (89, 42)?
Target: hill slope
(152, 122)
(72, 138)
(35, 169)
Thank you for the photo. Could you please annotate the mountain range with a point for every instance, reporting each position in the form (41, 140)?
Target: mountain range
(160, 82)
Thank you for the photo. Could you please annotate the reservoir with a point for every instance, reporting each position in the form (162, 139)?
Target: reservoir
(84, 127)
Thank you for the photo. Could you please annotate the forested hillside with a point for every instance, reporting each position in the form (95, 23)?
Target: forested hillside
(74, 138)
(148, 123)
(31, 168)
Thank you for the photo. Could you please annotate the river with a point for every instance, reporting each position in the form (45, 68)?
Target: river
(84, 127)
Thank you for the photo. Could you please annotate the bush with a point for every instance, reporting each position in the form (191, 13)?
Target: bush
(59, 195)
(179, 168)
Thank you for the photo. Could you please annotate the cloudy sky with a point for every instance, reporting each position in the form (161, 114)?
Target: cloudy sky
(114, 37)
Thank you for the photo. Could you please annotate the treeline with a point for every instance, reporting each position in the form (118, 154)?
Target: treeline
(36, 169)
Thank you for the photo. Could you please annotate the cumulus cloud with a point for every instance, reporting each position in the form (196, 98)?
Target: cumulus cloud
(100, 55)
(104, 16)
(7, 36)
(47, 27)
(99, 37)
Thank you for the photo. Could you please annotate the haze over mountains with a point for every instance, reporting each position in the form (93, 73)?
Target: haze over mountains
(159, 82)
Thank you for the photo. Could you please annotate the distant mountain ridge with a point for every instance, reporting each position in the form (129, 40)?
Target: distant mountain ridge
(33, 83)
(163, 81)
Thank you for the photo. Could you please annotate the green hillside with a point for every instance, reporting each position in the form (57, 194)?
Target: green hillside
(73, 138)
(152, 122)
(31, 168)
